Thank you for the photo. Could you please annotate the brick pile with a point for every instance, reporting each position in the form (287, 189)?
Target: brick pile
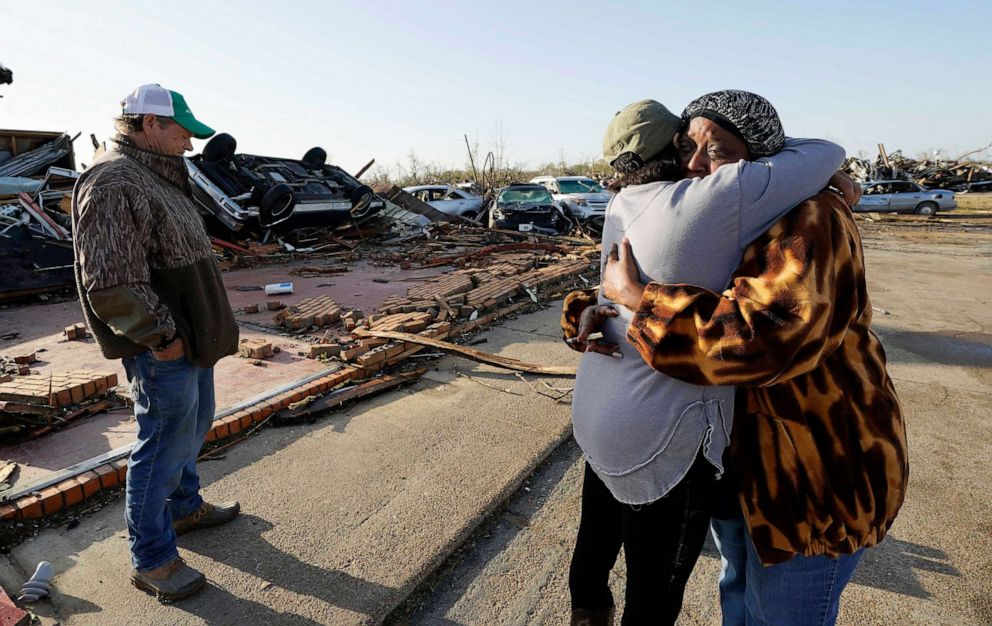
(492, 293)
(58, 390)
(319, 311)
(385, 353)
(511, 268)
(556, 273)
(413, 322)
(447, 285)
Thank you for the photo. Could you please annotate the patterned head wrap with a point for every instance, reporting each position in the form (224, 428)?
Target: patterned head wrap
(746, 114)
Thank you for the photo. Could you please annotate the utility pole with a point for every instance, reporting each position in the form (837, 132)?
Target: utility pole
(471, 160)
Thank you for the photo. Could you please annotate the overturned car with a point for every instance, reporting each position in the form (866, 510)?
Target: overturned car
(246, 192)
(528, 208)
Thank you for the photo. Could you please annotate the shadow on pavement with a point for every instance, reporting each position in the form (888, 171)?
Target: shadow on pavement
(892, 565)
(944, 347)
(219, 607)
(255, 556)
(61, 605)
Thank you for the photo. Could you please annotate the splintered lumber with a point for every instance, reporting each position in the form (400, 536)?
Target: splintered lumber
(469, 353)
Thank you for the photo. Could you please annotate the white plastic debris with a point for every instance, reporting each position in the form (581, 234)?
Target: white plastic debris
(276, 289)
(39, 584)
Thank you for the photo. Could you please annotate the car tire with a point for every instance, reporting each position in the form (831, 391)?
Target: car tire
(361, 200)
(315, 158)
(276, 205)
(926, 208)
(220, 149)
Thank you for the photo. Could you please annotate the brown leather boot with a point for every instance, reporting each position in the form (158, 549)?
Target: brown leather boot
(599, 617)
(172, 581)
(206, 516)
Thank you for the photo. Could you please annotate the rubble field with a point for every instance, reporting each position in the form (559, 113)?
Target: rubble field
(64, 410)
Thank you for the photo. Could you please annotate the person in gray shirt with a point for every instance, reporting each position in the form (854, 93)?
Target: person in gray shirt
(654, 444)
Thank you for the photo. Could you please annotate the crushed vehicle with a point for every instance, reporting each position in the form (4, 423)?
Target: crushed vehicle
(448, 199)
(247, 192)
(580, 198)
(528, 207)
(903, 196)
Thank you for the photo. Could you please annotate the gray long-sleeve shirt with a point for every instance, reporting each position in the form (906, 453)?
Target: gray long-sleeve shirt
(639, 429)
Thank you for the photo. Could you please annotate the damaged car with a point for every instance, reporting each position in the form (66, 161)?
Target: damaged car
(528, 208)
(448, 199)
(903, 196)
(247, 192)
(580, 198)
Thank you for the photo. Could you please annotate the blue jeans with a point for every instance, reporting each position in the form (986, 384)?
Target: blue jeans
(803, 591)
(174, 407)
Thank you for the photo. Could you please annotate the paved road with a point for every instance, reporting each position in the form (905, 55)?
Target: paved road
(936, 565)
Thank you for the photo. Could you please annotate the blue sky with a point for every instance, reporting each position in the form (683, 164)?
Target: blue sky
(379, 79)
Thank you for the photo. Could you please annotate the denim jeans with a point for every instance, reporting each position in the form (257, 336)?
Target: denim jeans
(803, 591)
(174, 407)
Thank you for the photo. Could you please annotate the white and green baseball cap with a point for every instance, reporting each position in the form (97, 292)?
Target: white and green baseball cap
(158, 100)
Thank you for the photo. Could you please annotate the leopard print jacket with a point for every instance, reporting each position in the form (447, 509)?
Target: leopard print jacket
(819, 441)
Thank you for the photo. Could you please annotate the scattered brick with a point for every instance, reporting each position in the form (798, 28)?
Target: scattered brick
(76, 332)
(319, 311)
(255, 349)
(25, 359)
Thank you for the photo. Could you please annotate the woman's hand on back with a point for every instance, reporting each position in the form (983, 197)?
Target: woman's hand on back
(847, 187)
(621, 280)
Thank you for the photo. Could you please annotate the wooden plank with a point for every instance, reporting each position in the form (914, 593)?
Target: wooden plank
(40, 216)
(469, 353)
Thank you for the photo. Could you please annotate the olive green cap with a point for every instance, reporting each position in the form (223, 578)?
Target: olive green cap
(643, 128)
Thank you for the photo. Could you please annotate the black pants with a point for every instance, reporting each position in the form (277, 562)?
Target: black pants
(661, 542)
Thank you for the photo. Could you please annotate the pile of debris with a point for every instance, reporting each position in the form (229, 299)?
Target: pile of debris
(37, 173)
(961, 174)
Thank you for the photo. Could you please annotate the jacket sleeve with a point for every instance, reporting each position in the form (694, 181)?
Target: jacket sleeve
(111, 234)
(771, 186)
(790, 303)
(575, 303)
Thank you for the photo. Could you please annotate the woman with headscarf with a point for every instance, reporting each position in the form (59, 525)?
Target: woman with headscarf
(654, 444)
(818, 456)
